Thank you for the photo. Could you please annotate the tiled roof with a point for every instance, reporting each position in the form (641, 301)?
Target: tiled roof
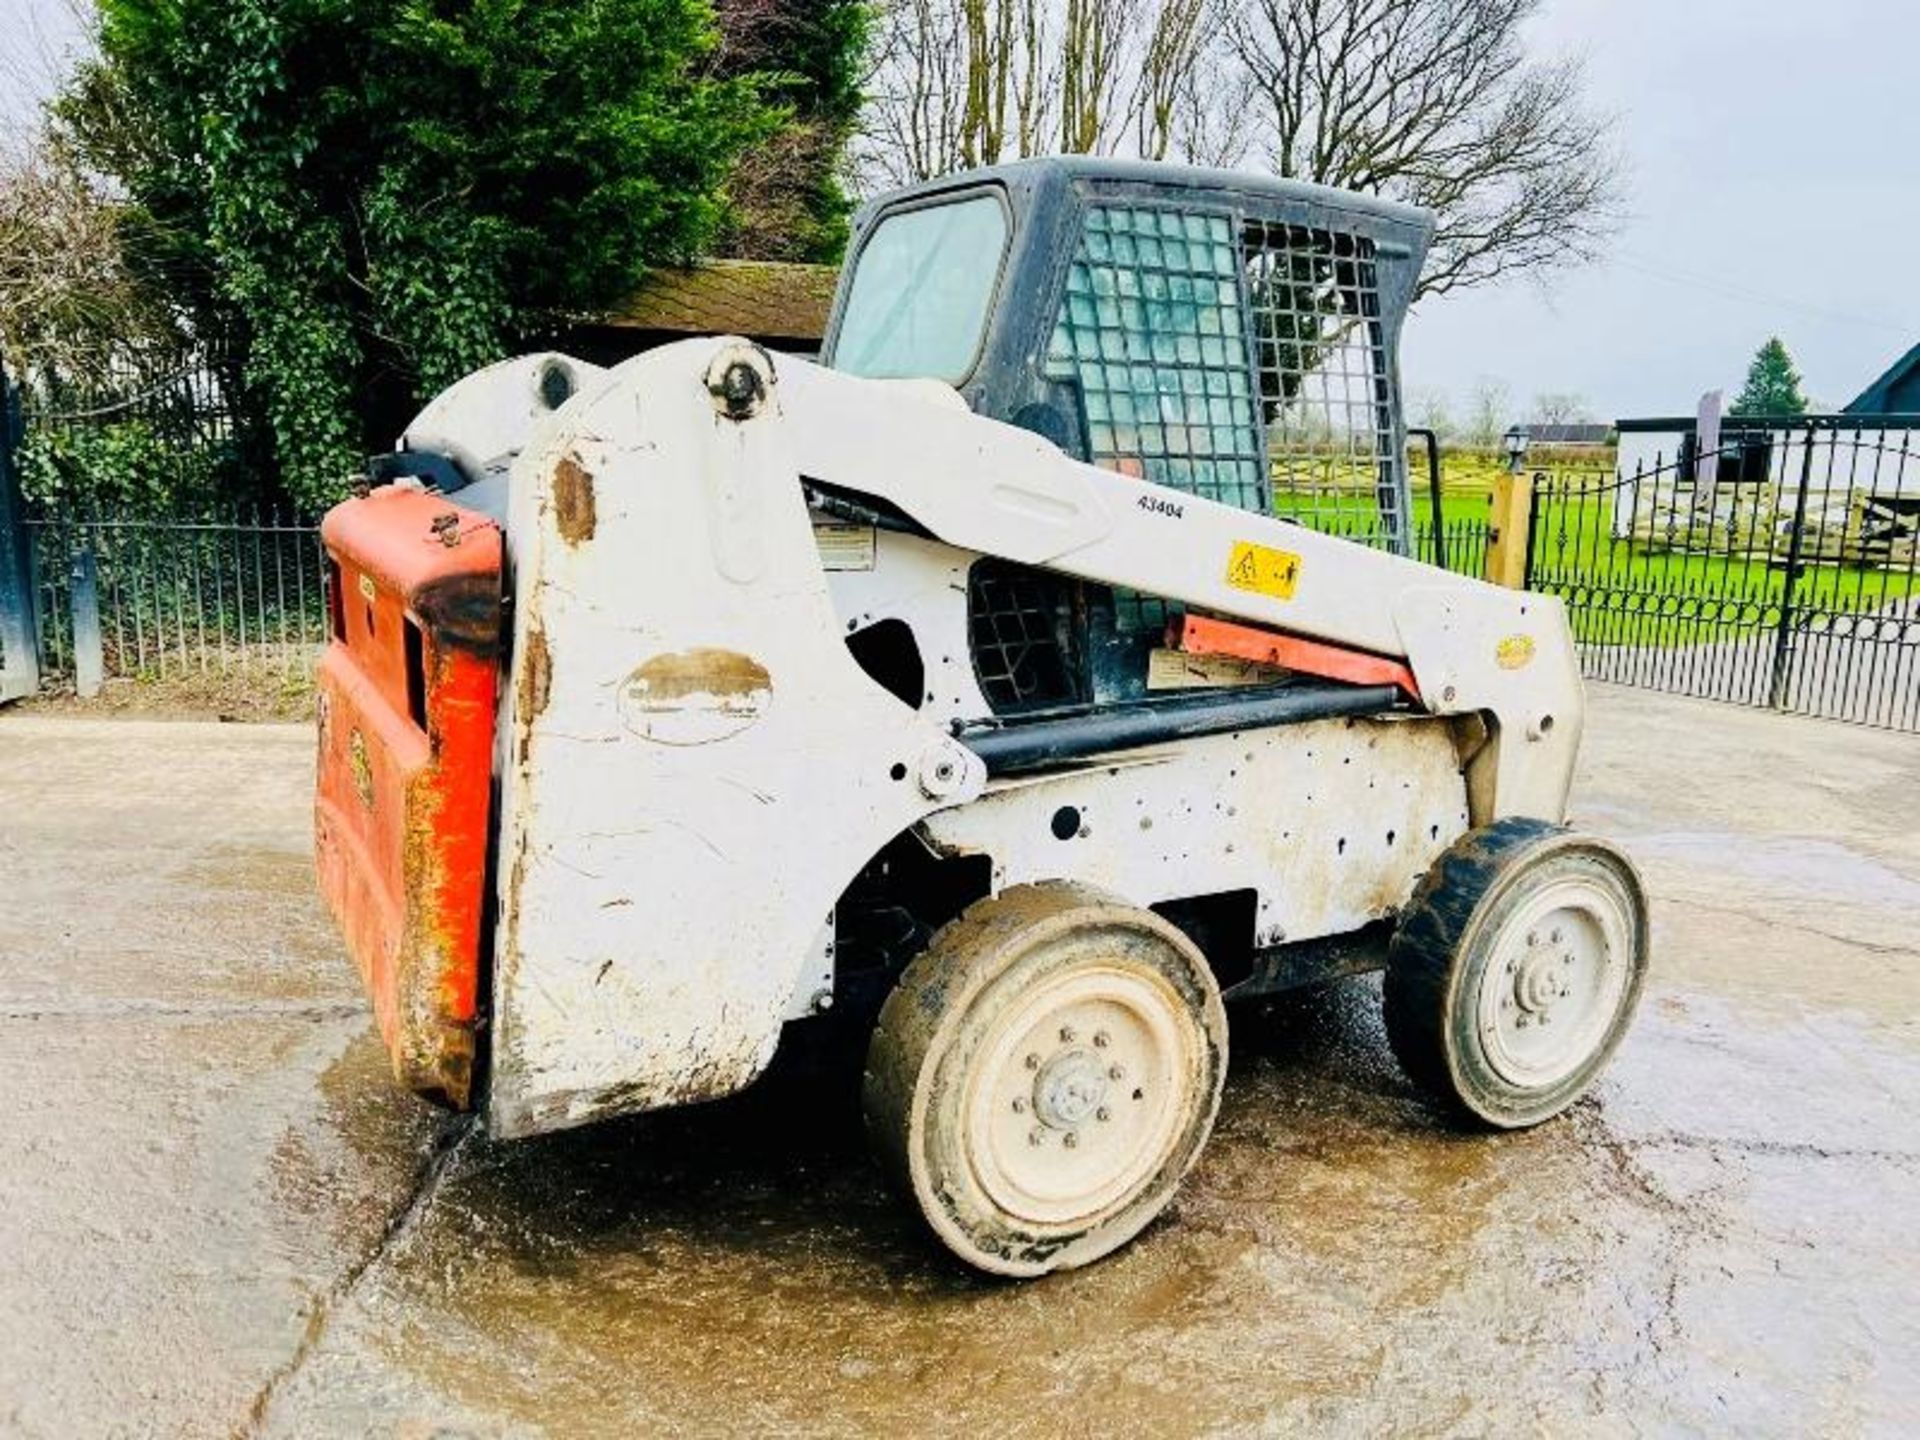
(756, 298)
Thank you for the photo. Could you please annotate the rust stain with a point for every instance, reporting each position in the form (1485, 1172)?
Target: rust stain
(534, 687)
(463, 611)
(536, 674)
(573, 509)
(510, 916)
(694, 697)
(362, 768)
(723, 674)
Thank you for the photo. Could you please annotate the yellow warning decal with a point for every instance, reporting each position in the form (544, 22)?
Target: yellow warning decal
(1515, 652)
(1263, 570)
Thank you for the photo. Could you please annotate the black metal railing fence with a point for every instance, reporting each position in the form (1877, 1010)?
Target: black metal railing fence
(148, 598)
(148, 551)
(1779, 568)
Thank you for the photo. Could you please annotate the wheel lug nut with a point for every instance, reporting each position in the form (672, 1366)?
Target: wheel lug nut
(1533, 937)
(1033, 1062)
(1116, 1073)
(1103, 1113)
(1555, 937)
(1101, 1039)
(1521, 1023)
(1071, 1140)
(1019, 1105)
(1066, 1035)
(1036, 1135)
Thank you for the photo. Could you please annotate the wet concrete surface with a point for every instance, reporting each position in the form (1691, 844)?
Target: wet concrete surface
(217, 1217)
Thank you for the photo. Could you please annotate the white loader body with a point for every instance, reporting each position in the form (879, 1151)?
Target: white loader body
(693, 765)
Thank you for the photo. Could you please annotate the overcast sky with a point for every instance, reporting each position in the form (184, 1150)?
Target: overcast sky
(1773, 155)
(37, 37)
(1773, 151)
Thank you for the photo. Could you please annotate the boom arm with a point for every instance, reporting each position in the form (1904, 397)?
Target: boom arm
(980, 485)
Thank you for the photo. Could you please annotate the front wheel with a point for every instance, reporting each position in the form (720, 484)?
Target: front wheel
(1516, 970)
(1044, 1075)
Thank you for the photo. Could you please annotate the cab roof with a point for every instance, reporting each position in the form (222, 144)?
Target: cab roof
(1263, 190)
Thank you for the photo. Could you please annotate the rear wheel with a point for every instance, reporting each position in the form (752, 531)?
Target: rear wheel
(1044, 1075)
(1516, 970)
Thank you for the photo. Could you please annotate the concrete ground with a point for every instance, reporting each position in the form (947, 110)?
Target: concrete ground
(217, 1216)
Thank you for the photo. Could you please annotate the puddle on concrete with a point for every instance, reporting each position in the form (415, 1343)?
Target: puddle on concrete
(1340, 1260)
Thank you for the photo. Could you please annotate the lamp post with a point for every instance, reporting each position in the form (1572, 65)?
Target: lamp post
(1514, 442)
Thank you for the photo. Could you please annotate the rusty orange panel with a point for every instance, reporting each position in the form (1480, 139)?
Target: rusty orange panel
(1204, 635)
(403, 807)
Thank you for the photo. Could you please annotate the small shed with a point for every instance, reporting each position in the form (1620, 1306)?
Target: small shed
(782, 306)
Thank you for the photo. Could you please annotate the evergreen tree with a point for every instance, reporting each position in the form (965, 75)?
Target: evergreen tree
(1773, 385)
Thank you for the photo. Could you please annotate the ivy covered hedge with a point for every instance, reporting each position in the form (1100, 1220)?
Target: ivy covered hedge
(370, 198)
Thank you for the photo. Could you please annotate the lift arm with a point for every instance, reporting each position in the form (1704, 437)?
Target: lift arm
(980, 485)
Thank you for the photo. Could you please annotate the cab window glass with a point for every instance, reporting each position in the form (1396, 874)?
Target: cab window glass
(922, 286)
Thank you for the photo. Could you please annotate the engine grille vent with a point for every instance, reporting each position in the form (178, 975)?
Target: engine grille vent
(1021, 626)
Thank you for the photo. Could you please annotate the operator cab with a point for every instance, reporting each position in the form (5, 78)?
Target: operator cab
(1228, 335)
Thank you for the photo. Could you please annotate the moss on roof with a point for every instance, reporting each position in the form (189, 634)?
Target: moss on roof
(756, 298)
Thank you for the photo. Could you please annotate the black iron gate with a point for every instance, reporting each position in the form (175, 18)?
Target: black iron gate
(134, 544)
(1777, 568)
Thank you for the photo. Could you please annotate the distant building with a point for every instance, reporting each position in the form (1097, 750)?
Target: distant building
(1567, 435)
(1897, 392)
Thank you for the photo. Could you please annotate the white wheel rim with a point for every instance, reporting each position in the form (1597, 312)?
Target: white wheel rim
(1553, 986)
(1078, 1094)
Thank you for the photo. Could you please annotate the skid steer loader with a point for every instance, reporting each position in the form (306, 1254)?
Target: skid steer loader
(1005, 693)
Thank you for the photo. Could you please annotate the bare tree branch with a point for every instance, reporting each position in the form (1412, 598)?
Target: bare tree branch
(69, 305)
(1430, 101)
(1435, 102)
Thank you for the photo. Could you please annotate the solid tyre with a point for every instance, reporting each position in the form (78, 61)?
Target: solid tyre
(1044, 1075)
(1516, 970)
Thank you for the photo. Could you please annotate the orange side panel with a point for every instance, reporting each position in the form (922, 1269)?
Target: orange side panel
(1204, 635)
(403, 808)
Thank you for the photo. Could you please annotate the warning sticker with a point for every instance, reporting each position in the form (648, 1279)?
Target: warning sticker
(1263, 570)
(845, 547)
(1515, 652)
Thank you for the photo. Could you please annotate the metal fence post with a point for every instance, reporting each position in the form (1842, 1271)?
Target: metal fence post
(1436, 497)
(19, 629)
(89, 657)
(1783, 636)
(1533, 528)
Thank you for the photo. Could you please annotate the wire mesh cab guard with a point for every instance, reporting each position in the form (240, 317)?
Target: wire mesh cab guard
(1228, 335)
